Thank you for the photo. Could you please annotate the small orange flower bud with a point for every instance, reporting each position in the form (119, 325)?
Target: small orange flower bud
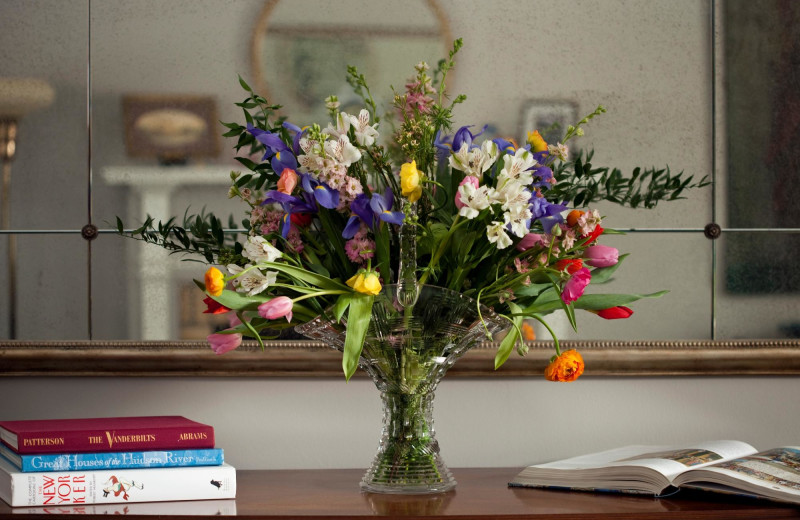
(215, 281)
(573, 216)
(565, 368)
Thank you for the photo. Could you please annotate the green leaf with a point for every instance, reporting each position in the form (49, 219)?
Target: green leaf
(341, 305)
(603, 274)
(507, 345)
(120, 227)
(357, 323)
(234, 300)
(318, 280)
(245, 85)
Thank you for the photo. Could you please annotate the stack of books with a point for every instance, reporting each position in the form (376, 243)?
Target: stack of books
(106, 460)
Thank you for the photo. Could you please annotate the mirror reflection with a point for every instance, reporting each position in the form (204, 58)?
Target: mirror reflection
(649, 63)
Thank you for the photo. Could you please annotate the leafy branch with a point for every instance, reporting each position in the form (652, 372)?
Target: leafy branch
(580, 183)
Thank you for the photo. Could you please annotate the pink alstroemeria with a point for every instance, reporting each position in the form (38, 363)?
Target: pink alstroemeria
(601, 256)
(277, 308)
(575, 286)
(528, 241)
(222, 343)
(469, 179)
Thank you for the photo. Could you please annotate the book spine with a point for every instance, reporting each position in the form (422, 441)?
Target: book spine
(121, 460)
(128, 439)
(69, 488)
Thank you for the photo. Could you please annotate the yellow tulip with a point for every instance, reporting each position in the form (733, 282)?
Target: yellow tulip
(366, 282)
(410, 181)
(215, 281)
(536, 141)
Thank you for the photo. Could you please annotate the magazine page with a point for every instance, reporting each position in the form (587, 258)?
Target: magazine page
(773, 473)
(668, 460)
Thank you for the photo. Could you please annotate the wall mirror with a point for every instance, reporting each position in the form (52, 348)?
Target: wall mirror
(676, 78)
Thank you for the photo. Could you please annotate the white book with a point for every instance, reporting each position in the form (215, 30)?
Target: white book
(69, 488)
(722, 466)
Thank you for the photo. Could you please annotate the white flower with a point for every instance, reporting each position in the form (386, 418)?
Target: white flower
(588, 221)
(474, 199)
(253, 281)
(259, 250)
(342, 126)
(365, 134)
(510, 193)
(519, 219)
(342, 151)
(516, 166)
(496, 233)
(475, 161)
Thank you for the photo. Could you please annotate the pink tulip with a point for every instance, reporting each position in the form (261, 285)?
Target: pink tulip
(469, 179)
(575, 286)
(222, 343)
(601, 256)
(528, 241)
(276, 308)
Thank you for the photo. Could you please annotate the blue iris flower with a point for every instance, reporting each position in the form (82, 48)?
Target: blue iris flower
(290, 204)
(279, 153)
(370, 211)
(548, 213)
(463, 135)
(298, 134)
(326, 196)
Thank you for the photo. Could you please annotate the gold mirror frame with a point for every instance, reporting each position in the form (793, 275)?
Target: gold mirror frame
(312, 359)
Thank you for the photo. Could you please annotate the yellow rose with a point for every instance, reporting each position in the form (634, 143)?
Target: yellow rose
(537, 142)
(410, 181)
(215, 281)
(565, 368)
(366, 282)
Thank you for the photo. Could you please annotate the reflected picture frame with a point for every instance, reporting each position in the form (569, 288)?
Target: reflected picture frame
(173, 128)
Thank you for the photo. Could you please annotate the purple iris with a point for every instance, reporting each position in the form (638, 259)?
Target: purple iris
(544, 174)
(361, 213)
(369, 211)
(381, 205)
(298, 134)
(280, 154)
(326, 196)
(505, 145)
(463, 135)
(290, 204)
(547, 213)
(443, 145)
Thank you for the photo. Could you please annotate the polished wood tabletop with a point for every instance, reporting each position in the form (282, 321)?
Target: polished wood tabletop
(481, 493)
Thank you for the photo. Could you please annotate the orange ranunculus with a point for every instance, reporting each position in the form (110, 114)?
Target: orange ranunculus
(572, 265)
(537, 142)
(565, 368)
(215, 281)
(573, 216)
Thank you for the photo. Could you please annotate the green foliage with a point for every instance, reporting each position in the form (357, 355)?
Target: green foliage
(580, 183)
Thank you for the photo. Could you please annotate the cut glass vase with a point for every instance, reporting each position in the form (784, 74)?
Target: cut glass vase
(406, 352)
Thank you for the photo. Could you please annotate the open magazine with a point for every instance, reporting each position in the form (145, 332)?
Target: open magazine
(722, 466)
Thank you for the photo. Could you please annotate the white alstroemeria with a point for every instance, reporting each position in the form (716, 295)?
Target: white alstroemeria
(516, 166)
(474, 199)
(342, 126)
(588, 222)
(365, 134)
(518, 218)
(253, 281)
(475, 161)
(342, 151)
(259, 250)
(496, 233)
(510, 193)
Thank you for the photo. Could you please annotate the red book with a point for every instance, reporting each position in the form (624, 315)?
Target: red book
(105, 434)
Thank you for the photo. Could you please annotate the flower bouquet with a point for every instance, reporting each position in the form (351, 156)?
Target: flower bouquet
(403, 242)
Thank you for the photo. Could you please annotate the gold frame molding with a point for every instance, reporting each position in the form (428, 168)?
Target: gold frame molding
(312, 359)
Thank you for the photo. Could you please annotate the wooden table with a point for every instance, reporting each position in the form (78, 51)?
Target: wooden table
(480, 494)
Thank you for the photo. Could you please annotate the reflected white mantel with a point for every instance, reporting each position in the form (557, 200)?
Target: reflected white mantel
(149, 285)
